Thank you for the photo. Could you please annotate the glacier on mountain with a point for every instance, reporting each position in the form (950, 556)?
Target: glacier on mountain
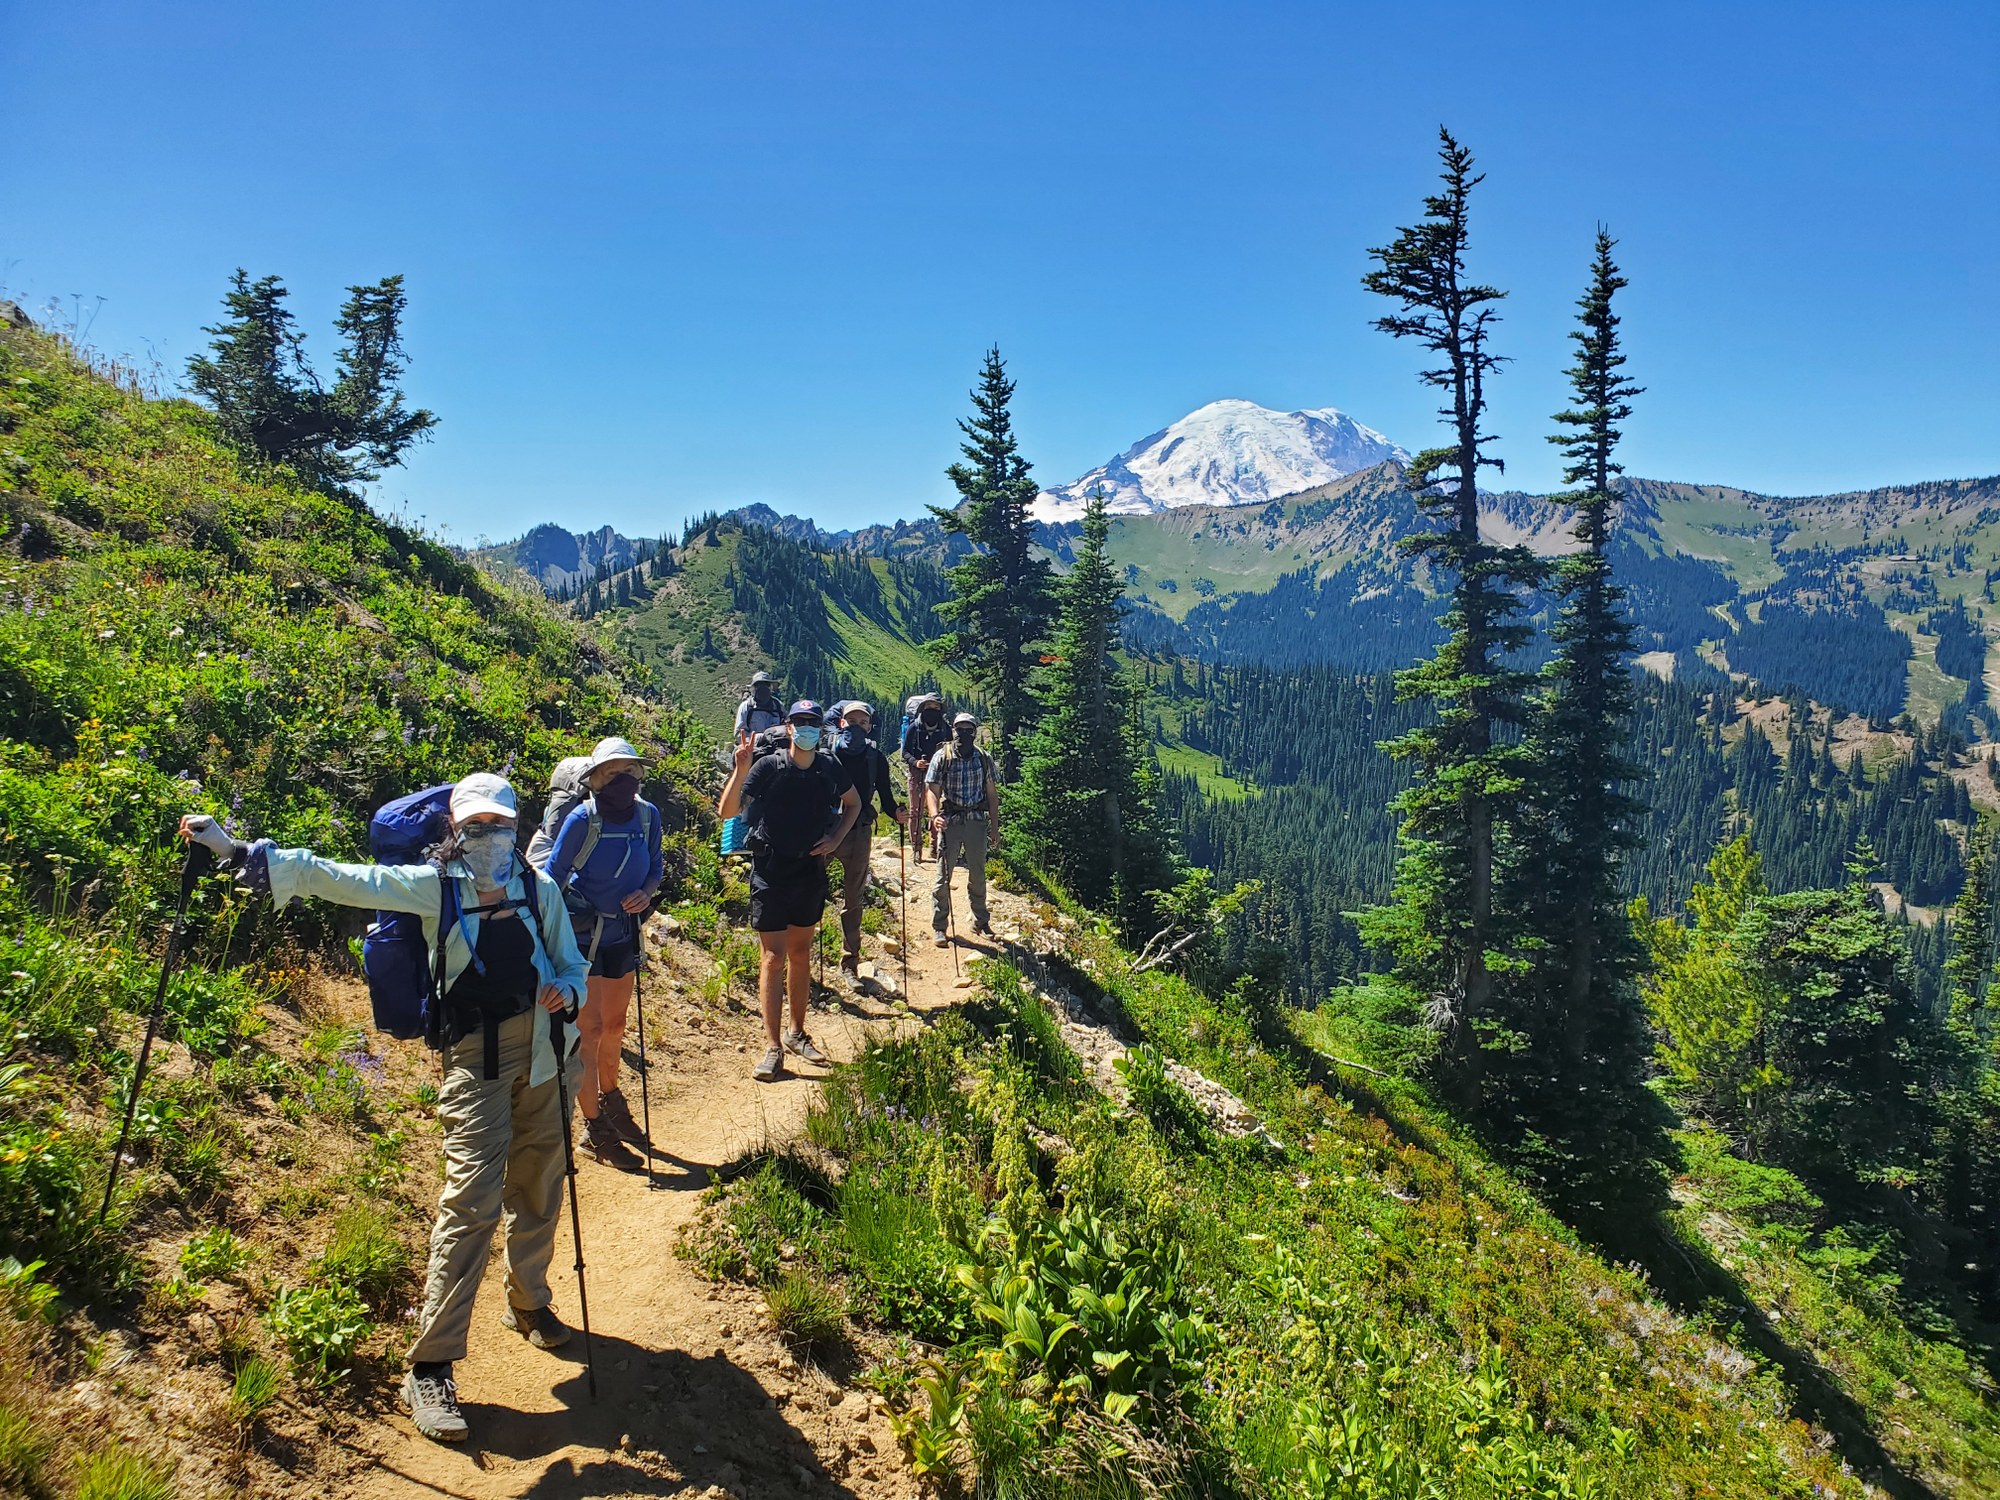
(1230, 452)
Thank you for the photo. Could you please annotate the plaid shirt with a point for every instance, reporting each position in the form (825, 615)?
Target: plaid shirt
(960, 779)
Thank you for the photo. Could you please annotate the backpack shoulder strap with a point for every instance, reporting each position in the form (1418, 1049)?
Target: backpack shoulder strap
(591, 834)
(434, 1015)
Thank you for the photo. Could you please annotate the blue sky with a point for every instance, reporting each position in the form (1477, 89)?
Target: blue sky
(664, 257)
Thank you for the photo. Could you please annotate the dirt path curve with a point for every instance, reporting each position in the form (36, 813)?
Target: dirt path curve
(696, 1397)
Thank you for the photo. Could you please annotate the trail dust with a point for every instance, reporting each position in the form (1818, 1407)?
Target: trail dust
(696, 1396)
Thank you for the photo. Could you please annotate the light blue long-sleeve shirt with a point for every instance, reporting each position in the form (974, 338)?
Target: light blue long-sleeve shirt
(292, 873)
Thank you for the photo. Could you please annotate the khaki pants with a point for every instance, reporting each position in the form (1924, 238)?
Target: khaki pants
(853, 857)
(503, 1158)
(964, 837)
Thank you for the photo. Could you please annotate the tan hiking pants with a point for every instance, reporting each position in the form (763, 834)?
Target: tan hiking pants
(964, 837)
(503, 1158)
(853, 856)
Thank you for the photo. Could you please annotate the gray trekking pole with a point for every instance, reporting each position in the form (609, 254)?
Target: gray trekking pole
(575, 1219)
(903, 893)
(200, 860)
(645, 1076)
(950, 914)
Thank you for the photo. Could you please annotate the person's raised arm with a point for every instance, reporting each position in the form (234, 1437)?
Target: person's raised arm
(730, 803)
(283, 874)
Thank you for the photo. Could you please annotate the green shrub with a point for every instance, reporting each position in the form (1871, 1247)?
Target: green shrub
(118, 1474)
(51, 1183)
(366, 1255)
(214, 1253)
(24, 1451)
(254, 1391)
(807, 1313)
(322, 1328)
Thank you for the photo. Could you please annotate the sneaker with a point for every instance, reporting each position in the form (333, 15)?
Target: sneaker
(611, 1106)
(432, 1398)
(601, 1140)
(770, 1066)
(538, 1325)
(798, 1043)
(980, 929)
(943, 941)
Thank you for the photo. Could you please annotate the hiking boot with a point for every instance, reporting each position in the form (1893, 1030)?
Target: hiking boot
(770, 1065)
(538, 1325)
(432, 1397)
(943, 941)
(980, 929)
(611, 1106)
(801, 1046)
(600, 1139)
(851, 966)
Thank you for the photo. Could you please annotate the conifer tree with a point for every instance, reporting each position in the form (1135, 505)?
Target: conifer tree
(1001, 591)
(1081, 808)
(270, 401)
(1586, 821)
(1444, 926)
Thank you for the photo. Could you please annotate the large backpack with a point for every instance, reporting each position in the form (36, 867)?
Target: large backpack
(405, 979)
(912, 705)
(567, 787)
(394, 956)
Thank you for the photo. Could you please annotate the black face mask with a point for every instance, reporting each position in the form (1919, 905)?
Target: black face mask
(616, 798)
(930, 716)
(964, 737)
(761, 694)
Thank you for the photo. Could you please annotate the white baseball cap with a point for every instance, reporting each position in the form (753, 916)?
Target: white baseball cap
(482, 792)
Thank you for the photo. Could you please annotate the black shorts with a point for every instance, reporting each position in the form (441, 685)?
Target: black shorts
(786, 892)
(615, 959)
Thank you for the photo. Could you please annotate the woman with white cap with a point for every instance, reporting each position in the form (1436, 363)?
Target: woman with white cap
(504, 977)
(607, 862)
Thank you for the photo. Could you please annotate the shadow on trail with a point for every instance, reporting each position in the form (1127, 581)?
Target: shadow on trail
(668, 1402)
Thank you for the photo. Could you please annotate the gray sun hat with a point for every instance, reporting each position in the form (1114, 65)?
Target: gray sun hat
(611, 750)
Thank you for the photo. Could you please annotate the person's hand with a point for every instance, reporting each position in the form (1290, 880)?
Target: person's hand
(902, 816)
(553, 999)
(824, 847)
(637, 902)
(740, 759)
(200, 828)
(937, 823)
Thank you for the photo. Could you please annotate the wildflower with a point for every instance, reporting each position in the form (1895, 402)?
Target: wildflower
(177, 632)
(105, 635)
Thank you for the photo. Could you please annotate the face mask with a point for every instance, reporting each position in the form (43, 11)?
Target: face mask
(853, 737)
(616, 797)
(762, 694)
(964, 737)
(806, 736)
(930, 716)
(488, 853)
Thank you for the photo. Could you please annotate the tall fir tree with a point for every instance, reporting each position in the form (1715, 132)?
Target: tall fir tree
(1083, 807)
(1001, 592)
(1577, 1092)
(1583, 720)
(1444, 925)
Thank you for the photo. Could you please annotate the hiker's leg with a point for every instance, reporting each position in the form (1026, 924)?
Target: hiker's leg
(798, 976)
(532, 1201)
(941, 886)
(974, 834)
(477, 1115)
(612, 1000)
(771, 980)
(590, 1033)
(853, 886)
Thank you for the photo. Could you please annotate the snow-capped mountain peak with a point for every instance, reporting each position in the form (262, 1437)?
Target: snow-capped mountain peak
(1230, 452)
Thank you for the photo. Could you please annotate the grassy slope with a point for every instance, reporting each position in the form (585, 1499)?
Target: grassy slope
(184, 634)
(1375, 1308)
(664, 633)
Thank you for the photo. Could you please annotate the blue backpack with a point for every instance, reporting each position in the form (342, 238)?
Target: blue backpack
(395, 959)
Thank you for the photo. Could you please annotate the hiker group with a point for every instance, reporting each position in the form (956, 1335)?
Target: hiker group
(521, 969)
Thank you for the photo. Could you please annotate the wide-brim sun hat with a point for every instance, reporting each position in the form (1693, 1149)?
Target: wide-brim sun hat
(483, 792)
(763, 677)
(609, 751)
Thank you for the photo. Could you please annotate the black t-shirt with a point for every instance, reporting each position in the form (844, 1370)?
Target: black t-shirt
(795, 804)
(867, 770)
(506, 952)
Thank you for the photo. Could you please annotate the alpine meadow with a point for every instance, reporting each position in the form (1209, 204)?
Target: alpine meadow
(1281, 968)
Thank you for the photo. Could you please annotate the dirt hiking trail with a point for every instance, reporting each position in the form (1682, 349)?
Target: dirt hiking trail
(696, 1395)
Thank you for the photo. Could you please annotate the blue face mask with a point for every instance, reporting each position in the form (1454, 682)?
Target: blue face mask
(806, 736)
(488, 853)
